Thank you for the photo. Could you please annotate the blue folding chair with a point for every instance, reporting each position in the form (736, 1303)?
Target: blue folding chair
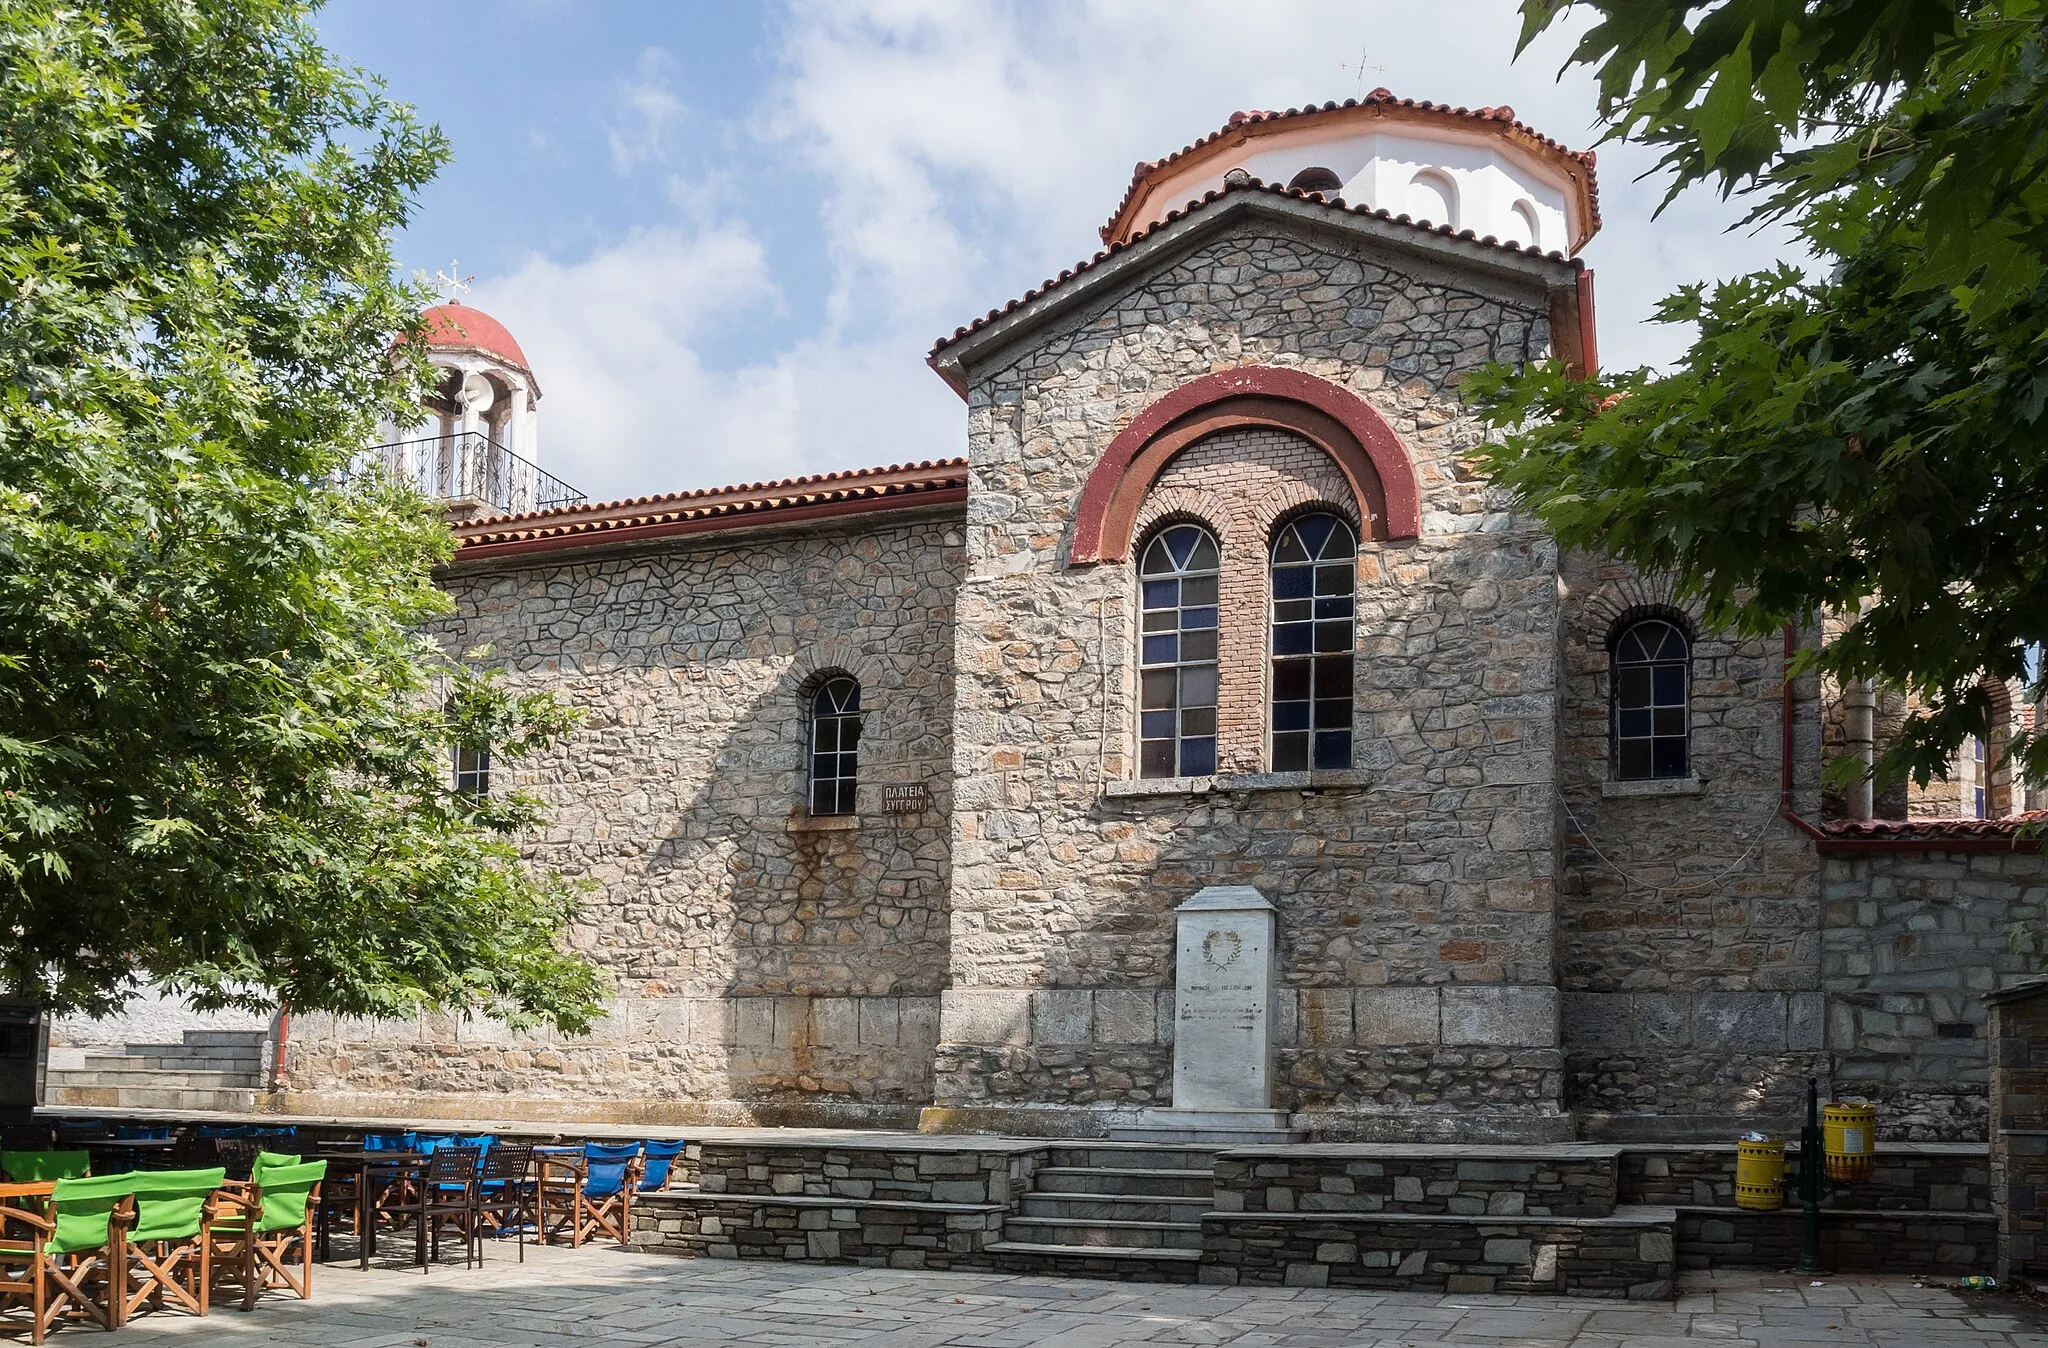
(660, 1163)
(390, 1141)
(592, 1192)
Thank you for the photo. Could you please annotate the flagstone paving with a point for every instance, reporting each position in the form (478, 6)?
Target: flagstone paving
(600, 1295)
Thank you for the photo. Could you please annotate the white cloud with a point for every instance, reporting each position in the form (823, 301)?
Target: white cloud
(646, 109)
(957, 153)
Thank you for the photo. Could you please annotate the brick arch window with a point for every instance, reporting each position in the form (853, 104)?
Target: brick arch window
(1177, 580)
(1314, 577)
(1651, 699)
(835, 745)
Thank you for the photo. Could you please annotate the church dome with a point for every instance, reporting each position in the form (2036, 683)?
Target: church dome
(1475, 169)
(458, 327)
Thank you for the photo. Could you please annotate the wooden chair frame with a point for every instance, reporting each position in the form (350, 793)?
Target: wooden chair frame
(584, 1216)
(261, 1261)
(57, 1286)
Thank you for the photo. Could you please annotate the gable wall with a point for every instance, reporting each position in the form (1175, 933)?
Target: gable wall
(1416, 899)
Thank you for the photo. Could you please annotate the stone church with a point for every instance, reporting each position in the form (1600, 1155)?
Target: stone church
(892, 782)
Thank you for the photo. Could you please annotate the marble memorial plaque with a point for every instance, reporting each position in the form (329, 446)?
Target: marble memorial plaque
(1223, 1000)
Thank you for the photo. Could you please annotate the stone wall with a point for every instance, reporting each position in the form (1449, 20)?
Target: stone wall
(2018, 1040)
(1432, 864)
(1689, 912)
(1913, 942)
(764, 965)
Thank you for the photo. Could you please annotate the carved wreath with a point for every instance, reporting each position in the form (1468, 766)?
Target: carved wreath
(1220, 949)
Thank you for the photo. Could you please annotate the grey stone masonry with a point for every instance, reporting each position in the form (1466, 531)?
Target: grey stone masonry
(766, 966)
(1434, 876)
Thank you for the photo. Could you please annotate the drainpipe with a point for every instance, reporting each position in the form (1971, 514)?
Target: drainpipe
(279, 1041)
(1859, 705)
(1785, 810)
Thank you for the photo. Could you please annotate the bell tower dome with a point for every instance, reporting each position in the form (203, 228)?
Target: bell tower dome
(479, 452)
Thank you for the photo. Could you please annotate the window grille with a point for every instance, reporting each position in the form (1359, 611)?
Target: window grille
(473, 771)
(1177, 658)
(835, 746)
(1652, 702)
(1314, 578)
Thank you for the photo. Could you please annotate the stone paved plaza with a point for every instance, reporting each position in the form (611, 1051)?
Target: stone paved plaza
(606, 1296)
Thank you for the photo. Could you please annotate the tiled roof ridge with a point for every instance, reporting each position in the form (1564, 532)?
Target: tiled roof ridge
(2006, 826)
(674, 508)
(700, 493)
(1250, 184)
(1380, 97)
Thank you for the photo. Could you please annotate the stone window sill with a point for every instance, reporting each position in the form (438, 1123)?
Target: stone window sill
(1654, 786)
(1231, 783)
(823, 823)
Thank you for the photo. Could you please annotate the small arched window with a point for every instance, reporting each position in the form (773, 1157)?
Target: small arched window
(473, 771)
(1177, 654)
(1315, 573)
(1317, 179)
(1522, 226)
(835, 746)
(1433, 198)
(1652, 702)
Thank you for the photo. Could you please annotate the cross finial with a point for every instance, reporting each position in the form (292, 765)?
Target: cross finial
(1360, 67)
(452, 282)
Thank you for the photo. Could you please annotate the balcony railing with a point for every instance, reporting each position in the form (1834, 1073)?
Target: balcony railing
(470, 468)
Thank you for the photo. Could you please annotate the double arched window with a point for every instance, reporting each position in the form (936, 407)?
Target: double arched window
(1177, 654)
(1194, 638)
(1651, 718)
(1314, 574)
(835, 745)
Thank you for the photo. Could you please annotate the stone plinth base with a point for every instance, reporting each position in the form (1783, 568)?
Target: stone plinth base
(1203, 1127)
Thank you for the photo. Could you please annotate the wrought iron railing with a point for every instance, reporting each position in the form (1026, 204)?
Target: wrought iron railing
(469, 466)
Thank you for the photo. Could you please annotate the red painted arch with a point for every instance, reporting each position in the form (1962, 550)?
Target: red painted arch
(1341, 422)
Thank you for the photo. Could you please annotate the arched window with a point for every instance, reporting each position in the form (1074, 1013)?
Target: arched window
(1315, 571)
(835, 746)
(1433, 198)
(1177, 656)
(1317, 179)
(1652, 702)
(473, 771)
(1522, 226)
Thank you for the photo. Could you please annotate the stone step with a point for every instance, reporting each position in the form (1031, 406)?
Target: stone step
(149, 1080)
(1161, 1253)
(227, 1038)
(105, 1062)
(1131, 1156)
(1099, 1232)
(244, 1100)
(1116, 1207)
(1079, 1179)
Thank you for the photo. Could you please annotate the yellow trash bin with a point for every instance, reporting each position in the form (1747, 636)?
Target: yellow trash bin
(1849, 1136)
(1760, 1174)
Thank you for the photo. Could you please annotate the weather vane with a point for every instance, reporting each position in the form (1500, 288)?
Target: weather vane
(452, 282)
(1361, 68)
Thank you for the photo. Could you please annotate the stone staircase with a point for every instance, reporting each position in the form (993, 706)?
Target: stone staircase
(209, 1069)
(1116, 1209)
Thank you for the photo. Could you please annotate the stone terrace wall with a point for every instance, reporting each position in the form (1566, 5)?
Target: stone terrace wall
(1691, 988)
(1913, 941)
(1440, 872)
(766, 966)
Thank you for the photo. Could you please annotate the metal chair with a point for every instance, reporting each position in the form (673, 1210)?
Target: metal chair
(448, 1193)
(506, 1192)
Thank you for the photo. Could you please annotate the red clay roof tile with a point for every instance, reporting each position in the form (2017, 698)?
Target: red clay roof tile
(1383, 101)
(788, 499)
(1207, 198)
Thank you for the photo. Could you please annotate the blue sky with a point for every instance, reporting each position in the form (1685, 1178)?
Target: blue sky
(726, 234)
